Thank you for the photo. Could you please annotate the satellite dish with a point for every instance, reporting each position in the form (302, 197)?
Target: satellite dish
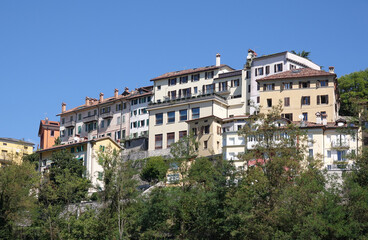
(301, 117)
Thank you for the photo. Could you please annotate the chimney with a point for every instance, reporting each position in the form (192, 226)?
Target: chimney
(218, 59)
(101, 97)
(324, 121)
(318, 118)
(87, 101)
(46, 120)
(116, 93)
(331, 69)
(63, 107)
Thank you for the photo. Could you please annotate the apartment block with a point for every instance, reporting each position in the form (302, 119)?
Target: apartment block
(305, 93)
(12, 150)
(48, 132)
(97, 118)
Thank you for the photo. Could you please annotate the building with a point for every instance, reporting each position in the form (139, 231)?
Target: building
(13, 150)
(97, 118)
(258, 67)
(48, 131)
(85, 151)
(188, 95)
(304, 92)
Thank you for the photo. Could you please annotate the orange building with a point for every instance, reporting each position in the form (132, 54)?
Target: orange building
(48, 132)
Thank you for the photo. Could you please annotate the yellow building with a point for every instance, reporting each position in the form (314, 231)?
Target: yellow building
(305, 93)
(86, 151)
(13, 150)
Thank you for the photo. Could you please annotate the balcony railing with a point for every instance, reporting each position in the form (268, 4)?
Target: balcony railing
(92, 118)
(340, 167)
(69, 124)
(107, 115)
(340, 144)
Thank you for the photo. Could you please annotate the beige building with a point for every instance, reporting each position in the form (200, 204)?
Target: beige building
(12, 150)
(305, 94)
(85, 151)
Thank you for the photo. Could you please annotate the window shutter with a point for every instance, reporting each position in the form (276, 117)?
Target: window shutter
(291, 85)
(281, 67)
(232, 83)
(300, 84)
(205, 75)
(264, 87)
(273, 86)
(191, 78)
(318, 100)
(256, 72)
(327, 99)
(203, 87)
(274, 66)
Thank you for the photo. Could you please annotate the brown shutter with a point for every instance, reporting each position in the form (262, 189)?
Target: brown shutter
(318, 99)
(327, 99)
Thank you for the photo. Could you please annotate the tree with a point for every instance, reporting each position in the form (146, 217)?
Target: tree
(57, 141)
(119, 191)
(154, 170)
(303, 53)
(353, 89)
(17, 196)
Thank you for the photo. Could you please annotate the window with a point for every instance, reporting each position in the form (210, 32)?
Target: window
(124, 105)
(79, 148)
(208, 88)
(72, 150)
(182, 134)
(158, 141)
(207, 129)
(306, 100)
(62, 120)
(70, 131)
(194, 131)
(267, 69)
(268, 87)
(142, 123)
(278, 67)
(102, 123)
(195, 90)
(79, 116)
(184, 79)
(292, 66)
(341, 155)
(269, 102)
(183, 115)
(195, 77)
(205, 144)
(247, 75)
(172, 94)
(249, 88)
(258, 99)
(287, 116)
(328, 153)
(158, 87)
(305, 116)
(170, 138)
(310, 153)
(52, 133)
(79, 129)
(287, 85)
(159, 118)
(185, 92)
(5, 144)
(248, 102)
(287, 102)
(108, 122)
(172, 81)
(323, 114)
(71, 118)
(235, 83)
(195, 113)
(258, 86)
(322, 99)
(118, 120)
(209, 75)
(171, 117)
(259, 71)
(304, 84)
(322, 83)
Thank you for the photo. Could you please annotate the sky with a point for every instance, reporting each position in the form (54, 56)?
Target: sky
(62, 51)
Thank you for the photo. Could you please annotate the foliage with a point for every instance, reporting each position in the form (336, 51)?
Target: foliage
(303, 53)
(32, 158)
(17, 195)
(353, 90)
(57, 141)
(154, 169)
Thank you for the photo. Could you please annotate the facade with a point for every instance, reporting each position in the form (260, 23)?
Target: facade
(187, 95)
(12, 150)
(139, 117)
(305, 93)
(267, 65)
(84, 150)
(48, 132)
(97, 118)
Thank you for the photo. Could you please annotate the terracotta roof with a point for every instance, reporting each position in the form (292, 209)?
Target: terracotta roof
(297, 73)
(229, 74)
(140, 92)
(52, 125)
(16, 141)
(188, 71)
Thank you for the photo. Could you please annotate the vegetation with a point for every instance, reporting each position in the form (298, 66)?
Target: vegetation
(303, 54)
(154, 170)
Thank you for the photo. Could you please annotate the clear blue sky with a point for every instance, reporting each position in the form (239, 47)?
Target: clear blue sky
(55, 51)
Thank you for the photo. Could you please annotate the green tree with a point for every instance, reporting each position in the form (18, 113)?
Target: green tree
(353, 90)
(303, 53)
(154, 170)
(57, 141)
(17, 196)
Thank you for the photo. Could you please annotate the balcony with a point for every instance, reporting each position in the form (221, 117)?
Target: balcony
(69, 124)
(340, 167)
(340, 144)
(107, 115)
(93, 118)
